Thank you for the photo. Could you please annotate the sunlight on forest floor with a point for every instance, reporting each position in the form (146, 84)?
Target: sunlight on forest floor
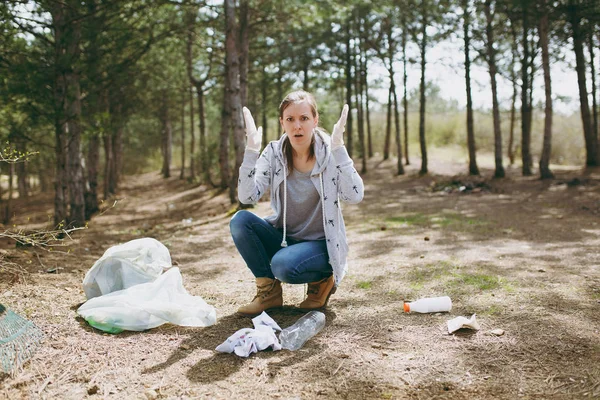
(520, 253)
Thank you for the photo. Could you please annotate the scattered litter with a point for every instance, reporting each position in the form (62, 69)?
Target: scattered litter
(497, 332)
(187, 222)
(247, 341)
(147, 306)
(426, 238)
(125, 265)
(429, 305)
(463, 322)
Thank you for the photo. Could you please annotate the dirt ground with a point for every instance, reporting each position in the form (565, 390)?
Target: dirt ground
(522, 254)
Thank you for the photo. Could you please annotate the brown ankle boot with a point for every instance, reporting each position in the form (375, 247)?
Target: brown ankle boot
(318, 294)
(268, 295)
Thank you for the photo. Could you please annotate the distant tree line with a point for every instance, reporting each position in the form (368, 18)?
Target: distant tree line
(88, 83)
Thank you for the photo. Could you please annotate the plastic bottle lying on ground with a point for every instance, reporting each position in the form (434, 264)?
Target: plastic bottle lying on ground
(429, 305)
(294, 337)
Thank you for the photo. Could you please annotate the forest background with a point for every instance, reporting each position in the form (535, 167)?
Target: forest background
(97, 96)
(100, 89)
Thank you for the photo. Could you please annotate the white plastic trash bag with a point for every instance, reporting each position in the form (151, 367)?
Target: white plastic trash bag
(125, 265)
(147, 306)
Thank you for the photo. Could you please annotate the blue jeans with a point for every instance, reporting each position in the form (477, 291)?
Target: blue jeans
(259, 243)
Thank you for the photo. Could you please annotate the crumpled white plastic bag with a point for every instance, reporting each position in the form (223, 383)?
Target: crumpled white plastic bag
(247, 340)
(147, 306)
(125, 265)
(463, 322)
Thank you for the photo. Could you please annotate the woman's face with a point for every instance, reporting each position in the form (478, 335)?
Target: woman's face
(298, 122)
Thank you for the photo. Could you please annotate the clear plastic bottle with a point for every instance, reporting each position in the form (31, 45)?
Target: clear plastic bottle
(293, 337)
(429, 305)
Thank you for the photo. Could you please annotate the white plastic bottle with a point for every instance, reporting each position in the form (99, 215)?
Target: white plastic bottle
(429, 305)
(294, 337)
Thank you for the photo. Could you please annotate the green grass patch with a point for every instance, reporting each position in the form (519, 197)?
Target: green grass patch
(364, 285)
(454, 280)
(443, 220)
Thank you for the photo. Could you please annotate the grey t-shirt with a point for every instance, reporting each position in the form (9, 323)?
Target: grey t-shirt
(304, 214)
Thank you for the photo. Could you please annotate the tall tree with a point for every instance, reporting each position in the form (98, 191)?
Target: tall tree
(575, 17)
(489, 11)
(473, 169)
(545, 172)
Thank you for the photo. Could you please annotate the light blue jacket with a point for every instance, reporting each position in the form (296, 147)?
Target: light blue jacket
(334, 177)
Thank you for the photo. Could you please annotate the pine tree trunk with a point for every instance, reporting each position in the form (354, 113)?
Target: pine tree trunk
(349, 80)
(405, 89)
(166, 136)
(92, 164)
(8, 207)
(182, 171)
(21, 170)
(108, 163)
(235, 100)
(359, 105)
(491, 56)
(192, 138)
(525, 103)
(388, 123)
(67, 35)
(244, 50)
(367, 112)
(545, 172)
(203, 142)
(264, 102)
(591, 139)
(423, 49)
(473, 169)
(224, 134)
(513, 78)
(594, 87)
(399, 167)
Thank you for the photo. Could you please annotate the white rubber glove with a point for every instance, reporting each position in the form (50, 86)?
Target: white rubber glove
(337, 134)
(253, 135)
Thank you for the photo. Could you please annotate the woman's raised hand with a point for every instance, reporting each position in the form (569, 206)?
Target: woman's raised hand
(337, 134)
(253, 135)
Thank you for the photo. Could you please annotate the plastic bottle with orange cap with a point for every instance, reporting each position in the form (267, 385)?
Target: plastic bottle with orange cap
(429, 305)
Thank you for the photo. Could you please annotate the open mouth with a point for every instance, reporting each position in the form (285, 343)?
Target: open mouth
(298, 135)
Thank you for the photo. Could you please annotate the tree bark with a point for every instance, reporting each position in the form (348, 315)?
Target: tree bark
(108, 164)
(360, 110)
(235, 100)
(21, 169)
(399, 166)
(388, 123)
(244, 49)
(591, 139)
(182, 172)
(166, 136)
(405, 89)
(192, 138)
(423, 49)
(349, 89)
(594, 87)
(525, 98)
(92, 164)
(8, 207)
(491, 56)
(545, 172)
(473, 169)
(264, 102)
(224, 134)
(513, 77)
